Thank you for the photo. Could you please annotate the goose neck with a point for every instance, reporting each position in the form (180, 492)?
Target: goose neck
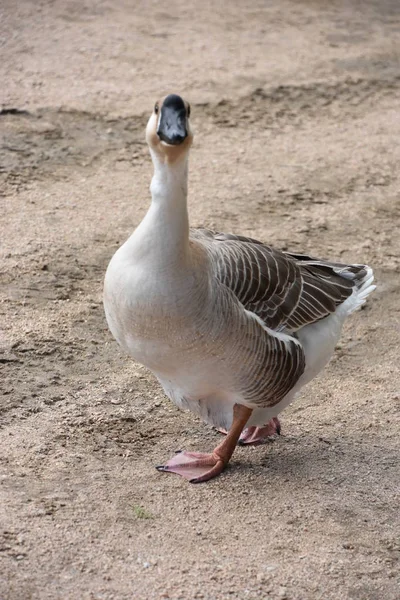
(167, 221)
(170, 183)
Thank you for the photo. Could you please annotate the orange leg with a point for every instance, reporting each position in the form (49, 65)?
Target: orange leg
(198, 467)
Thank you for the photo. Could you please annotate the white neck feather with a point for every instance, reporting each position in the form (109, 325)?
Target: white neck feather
(163, 235)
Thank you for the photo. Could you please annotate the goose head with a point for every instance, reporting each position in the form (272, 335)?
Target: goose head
(168, 132)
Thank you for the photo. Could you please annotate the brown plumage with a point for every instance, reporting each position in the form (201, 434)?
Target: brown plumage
(287, 291)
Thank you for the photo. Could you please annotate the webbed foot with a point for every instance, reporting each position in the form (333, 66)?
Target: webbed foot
(196, 467)
(260, 435)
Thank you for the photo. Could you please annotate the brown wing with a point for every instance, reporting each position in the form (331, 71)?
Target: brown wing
(265, 281)
(326, 285)
(287, 291)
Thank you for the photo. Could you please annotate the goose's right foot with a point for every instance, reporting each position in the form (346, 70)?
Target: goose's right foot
(198, 467)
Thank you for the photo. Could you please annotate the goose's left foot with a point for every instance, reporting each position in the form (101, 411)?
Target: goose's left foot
(198, 467)
(260, 435)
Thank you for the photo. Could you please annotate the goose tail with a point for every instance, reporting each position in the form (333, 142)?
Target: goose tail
(363, 285)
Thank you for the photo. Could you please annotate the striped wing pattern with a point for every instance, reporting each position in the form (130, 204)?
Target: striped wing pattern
(274, 366)
(265, 366)
(326, 285)
(287, 291)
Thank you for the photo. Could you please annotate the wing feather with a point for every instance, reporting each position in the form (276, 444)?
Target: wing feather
(266, 281)
(286, 290)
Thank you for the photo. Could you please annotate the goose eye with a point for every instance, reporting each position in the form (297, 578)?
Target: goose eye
(188, 110)
(156, 108)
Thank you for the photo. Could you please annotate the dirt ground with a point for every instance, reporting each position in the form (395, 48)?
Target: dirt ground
(295, 106)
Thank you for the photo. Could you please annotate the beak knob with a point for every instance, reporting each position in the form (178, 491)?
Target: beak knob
(172, 128)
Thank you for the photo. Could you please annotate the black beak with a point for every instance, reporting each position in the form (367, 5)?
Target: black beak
(172, 125)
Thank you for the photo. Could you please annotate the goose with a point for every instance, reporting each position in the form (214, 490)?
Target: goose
(231, 327)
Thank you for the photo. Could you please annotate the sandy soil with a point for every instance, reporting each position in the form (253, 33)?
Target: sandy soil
(296, 112)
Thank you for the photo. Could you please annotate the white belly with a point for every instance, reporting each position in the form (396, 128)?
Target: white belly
(168, 344)
(318, 340)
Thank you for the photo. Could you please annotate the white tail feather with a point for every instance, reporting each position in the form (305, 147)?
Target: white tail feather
(361, 293)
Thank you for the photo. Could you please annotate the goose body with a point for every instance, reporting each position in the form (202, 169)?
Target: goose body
(231, 327)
